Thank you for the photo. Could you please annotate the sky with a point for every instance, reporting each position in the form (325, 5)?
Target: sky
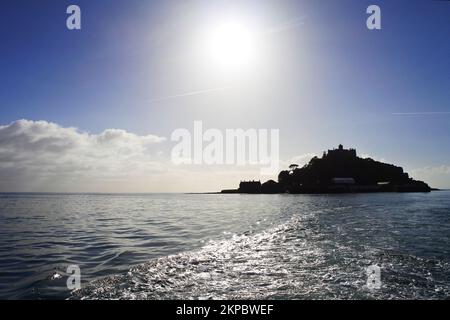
(93, 110)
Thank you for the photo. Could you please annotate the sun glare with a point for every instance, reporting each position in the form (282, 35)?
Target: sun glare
(232, 45)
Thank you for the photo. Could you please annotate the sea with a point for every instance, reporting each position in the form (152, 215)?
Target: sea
(218, 246)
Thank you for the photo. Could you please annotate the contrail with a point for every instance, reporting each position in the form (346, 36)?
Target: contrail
(420, 113)
(287, 25)
(188, 94)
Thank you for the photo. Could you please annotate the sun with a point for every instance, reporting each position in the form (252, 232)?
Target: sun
(232, 45)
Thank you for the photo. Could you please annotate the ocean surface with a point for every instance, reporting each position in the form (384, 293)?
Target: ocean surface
(180, 246)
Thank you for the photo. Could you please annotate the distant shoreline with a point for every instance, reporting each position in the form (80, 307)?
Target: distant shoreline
(151, 193)
(324, 193)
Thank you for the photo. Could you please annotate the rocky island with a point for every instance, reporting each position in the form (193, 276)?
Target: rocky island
(338, 171)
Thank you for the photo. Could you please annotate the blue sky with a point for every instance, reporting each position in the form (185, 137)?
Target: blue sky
(326, 79)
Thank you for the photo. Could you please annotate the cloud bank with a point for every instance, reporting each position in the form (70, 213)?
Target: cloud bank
(39, 155)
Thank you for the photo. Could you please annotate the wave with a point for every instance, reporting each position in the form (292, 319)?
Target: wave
(294, 260)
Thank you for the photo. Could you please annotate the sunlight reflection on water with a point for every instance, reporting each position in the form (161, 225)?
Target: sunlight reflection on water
(225, 246)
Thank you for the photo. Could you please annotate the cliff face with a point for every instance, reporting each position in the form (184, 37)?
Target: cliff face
(339, 171)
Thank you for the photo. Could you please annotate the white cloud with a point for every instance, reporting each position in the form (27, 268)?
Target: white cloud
(301, 160)
(39, 155)
(436, 176)
(374, 157)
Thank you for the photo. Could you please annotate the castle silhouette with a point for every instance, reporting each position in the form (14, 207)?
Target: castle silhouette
(338, 171)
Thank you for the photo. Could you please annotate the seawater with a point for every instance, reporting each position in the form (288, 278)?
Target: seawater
(180, 246)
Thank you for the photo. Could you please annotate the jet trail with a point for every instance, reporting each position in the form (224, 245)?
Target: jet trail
(188, 94)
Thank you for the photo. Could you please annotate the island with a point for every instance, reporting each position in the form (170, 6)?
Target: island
(338, 171)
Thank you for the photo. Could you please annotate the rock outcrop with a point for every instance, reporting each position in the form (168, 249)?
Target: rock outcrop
(338, 171)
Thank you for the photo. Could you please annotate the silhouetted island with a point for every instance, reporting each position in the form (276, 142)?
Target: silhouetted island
(338, 171)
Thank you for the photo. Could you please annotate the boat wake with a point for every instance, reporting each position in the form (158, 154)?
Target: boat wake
(294, 260)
